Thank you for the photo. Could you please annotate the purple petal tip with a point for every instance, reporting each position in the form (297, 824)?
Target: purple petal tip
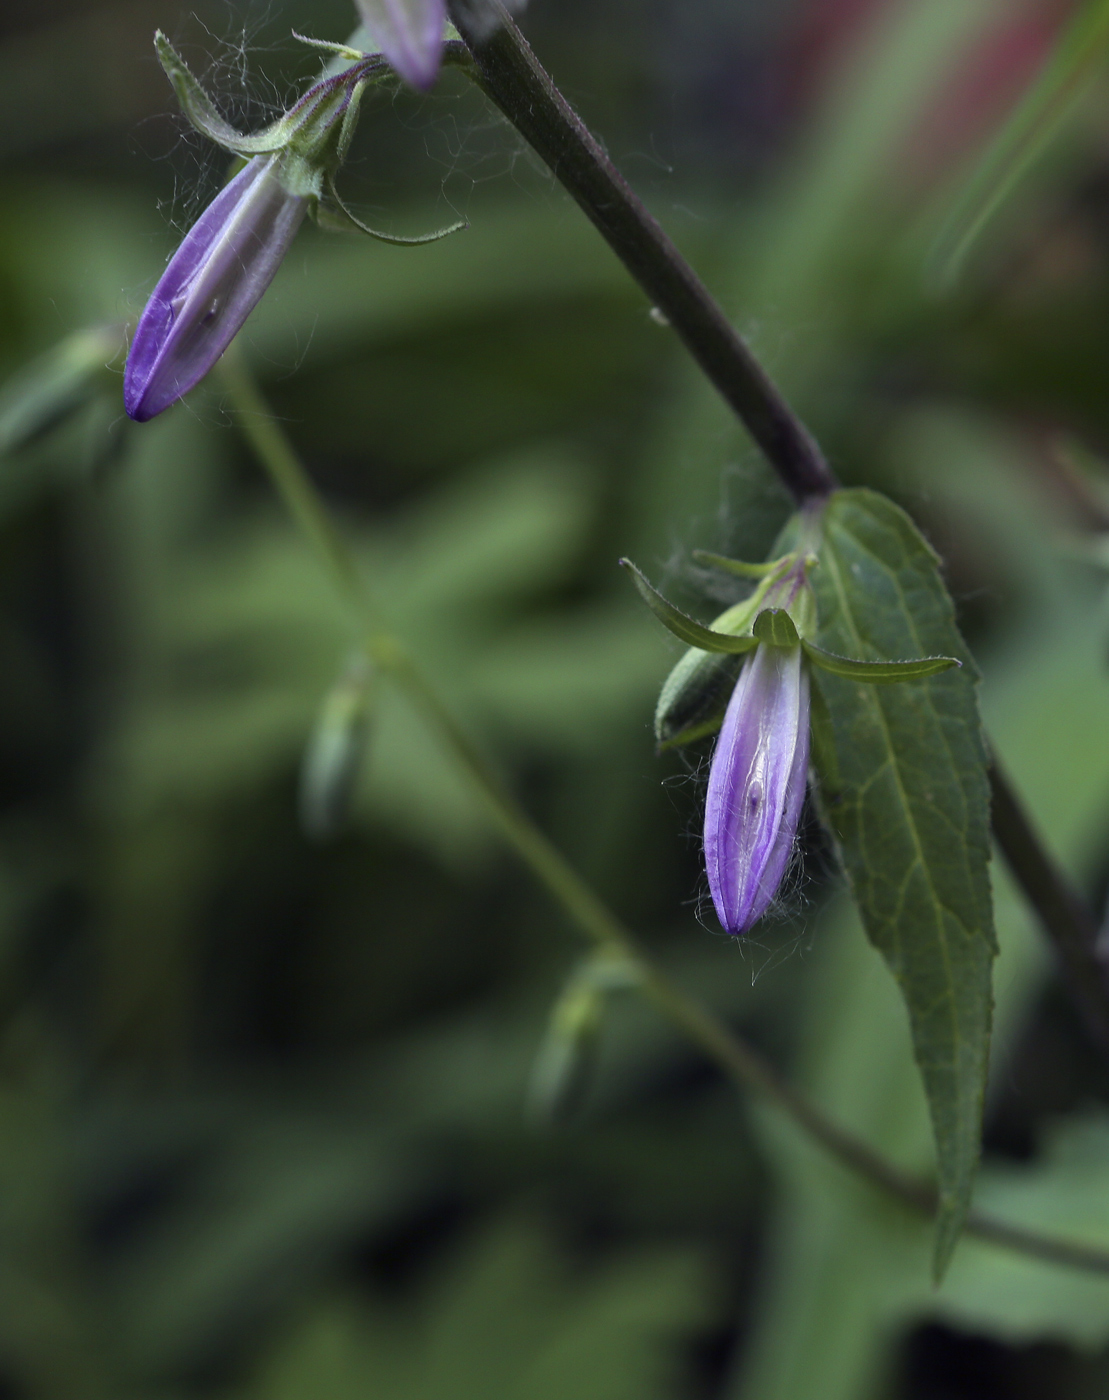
(212, 283)
(410, 35)
(757, 785)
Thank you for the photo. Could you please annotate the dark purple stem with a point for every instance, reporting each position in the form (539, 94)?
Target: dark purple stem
(511, 75)
(1065, 917)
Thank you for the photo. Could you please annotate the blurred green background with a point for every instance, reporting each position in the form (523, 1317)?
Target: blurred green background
(263, 1127)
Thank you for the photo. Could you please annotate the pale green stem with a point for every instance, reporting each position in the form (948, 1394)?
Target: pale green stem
(739, 1060)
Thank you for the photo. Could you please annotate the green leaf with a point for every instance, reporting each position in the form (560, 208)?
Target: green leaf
(341, 51)
(905, 795)
(683, 626)
(878, 672)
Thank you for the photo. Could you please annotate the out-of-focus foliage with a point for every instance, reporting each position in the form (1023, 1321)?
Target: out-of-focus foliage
(263, 1128)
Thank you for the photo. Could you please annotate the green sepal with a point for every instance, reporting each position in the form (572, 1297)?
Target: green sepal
(306, 133)
(901, 781)
(878, 672)
(740, 566)
(694, 634)
(201, 110)
(336, 217)
(776, 628)
(328, 46)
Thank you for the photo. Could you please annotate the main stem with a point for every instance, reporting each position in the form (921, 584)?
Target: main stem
(740, 1061)
(510, 74)
(1065, 916)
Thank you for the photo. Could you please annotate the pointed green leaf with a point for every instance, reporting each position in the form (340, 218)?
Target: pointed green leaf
(878, 672)
(902, 779)
(695, 634)
(694, 693)
(775, 627)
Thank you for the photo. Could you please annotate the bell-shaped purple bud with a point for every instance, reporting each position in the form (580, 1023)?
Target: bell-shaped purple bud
(213, 282)
(410, 35)
(757, 785)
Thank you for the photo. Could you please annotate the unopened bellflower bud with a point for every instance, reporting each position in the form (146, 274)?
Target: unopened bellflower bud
(409, 34)
(213, 282)
(759, 767)
(233, 251)
(757, 785)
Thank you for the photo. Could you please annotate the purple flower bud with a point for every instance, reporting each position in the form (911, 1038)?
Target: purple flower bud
(213, 282)
(410, 35)
(757, 785)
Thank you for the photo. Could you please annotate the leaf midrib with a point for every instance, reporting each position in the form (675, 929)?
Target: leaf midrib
(938, 906)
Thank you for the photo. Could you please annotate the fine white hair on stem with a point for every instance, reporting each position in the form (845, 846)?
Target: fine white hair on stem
(485, 15)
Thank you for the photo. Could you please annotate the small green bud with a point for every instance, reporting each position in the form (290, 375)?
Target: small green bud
(335, 751)
(560, 1075)
(54, 386)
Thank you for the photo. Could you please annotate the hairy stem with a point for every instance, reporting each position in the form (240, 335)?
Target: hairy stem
(510, 74)
(739, 1060)
(1064, 915)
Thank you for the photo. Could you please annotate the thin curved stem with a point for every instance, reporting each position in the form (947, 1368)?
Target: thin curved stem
(511, 76)
(740, 1061)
